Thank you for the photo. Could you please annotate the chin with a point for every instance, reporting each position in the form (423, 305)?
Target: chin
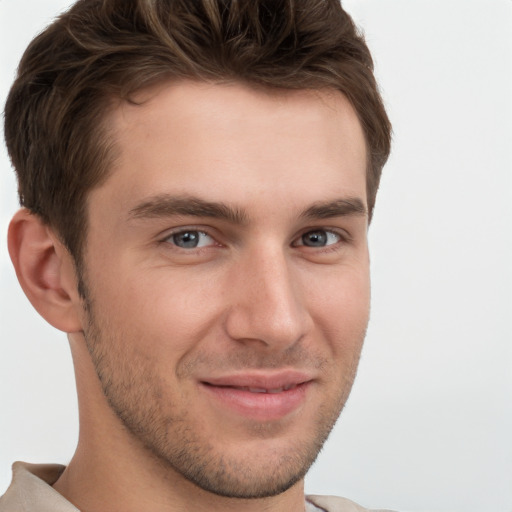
(247, 478)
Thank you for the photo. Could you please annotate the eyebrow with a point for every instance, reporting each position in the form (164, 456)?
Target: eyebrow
(167, 206)
(352, 206)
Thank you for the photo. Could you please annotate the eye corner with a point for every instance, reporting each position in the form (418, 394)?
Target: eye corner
(320, 238)
(189, 239)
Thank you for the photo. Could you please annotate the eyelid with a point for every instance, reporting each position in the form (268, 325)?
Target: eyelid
(343, 235)
(164, 236)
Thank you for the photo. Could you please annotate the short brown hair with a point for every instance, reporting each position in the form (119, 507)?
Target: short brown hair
(98, 50)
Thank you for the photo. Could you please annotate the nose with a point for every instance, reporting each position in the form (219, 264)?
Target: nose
(267, 302)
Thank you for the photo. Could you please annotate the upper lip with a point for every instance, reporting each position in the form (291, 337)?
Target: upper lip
(275, 380)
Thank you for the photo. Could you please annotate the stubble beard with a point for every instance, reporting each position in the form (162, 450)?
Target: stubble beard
(139, 398)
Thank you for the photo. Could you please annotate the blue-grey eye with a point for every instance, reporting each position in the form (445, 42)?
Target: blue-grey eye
(191, 239)
(319, 238)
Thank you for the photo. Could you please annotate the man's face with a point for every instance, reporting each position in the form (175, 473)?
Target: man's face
(227, 279)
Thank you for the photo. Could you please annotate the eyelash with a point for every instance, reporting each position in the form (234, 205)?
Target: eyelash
(341, 235)
(167, 240)
(341, 238)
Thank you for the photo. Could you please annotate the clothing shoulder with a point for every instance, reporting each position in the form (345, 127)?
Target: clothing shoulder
(337, 504)
(31, 491)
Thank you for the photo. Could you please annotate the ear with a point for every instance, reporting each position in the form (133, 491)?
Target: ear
(46, 271)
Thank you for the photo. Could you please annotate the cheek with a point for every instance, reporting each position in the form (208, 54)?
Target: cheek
(342, 308)
(156, 311)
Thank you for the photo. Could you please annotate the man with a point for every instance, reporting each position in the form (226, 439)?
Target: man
(197, 180)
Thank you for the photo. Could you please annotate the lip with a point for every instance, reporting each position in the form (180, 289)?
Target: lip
(259, 396)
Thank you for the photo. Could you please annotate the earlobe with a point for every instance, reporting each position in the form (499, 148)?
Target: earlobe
(45, 271)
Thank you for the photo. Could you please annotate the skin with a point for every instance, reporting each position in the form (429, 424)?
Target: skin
(272, 184)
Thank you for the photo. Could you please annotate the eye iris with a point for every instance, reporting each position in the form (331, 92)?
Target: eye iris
(187, 239)
(315, 239)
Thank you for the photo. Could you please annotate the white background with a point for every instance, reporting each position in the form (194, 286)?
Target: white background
(429, 424)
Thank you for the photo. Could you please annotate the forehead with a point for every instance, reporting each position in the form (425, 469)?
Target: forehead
(188, 109)
(221, 140)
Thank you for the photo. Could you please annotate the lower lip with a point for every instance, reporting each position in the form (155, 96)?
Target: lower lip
(259, 406)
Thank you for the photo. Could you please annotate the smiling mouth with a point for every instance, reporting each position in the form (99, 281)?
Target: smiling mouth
(250, 389)
(256, 401)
